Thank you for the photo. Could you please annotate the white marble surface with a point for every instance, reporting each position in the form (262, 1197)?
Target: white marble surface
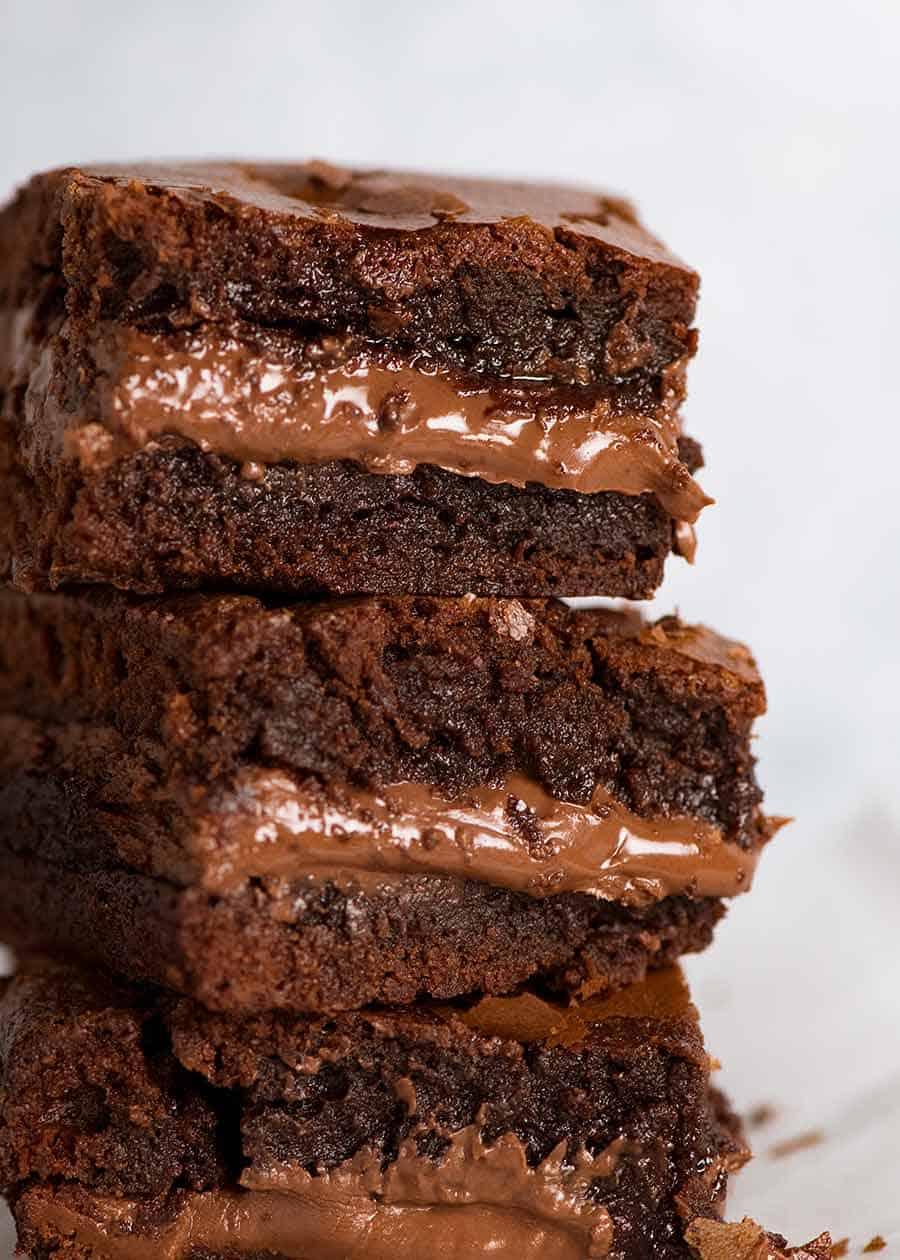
(761, 141)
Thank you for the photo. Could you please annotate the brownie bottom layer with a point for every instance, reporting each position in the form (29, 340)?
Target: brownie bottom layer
(175, 517)
(323, 945)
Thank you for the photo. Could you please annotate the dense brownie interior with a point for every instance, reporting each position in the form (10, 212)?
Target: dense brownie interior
(451, 692)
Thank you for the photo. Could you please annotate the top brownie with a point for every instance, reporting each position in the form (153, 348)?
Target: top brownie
(311, 380)
(515, 279)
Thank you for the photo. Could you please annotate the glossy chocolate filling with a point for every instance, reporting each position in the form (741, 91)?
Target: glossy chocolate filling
(476, 1201)
(515, 836)
(263, 398)
(268, 822)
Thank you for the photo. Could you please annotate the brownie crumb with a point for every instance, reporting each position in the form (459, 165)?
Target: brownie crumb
(875, 1244)
(761, 1115)
(791, 1146)
(745, 1240)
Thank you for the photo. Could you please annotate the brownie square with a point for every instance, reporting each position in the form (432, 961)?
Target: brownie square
(134, 1124)
(319, 806)
(309, 380)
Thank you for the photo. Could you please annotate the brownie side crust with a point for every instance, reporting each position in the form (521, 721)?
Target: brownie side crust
(511, 279)
(84, 1095)
(447, 692)
(174, 517)
(617, 1091)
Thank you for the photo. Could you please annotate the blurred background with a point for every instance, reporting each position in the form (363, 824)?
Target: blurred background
(761, 141)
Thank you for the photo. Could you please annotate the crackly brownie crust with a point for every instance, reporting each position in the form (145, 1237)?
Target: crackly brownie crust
(626, 1083)
(514, 279)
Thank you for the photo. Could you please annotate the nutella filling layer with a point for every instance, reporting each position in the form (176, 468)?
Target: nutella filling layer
(270, 400)
(476, 1200)
(516, 836)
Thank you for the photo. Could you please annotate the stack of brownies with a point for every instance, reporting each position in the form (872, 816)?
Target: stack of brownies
(348, 868)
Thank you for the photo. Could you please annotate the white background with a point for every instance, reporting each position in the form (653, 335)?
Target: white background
(761, 140)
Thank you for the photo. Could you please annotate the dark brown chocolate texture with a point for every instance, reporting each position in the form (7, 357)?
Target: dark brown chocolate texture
(551, 306)
(134, 725)
(515, 279)
(607, 1140)
(450, 692)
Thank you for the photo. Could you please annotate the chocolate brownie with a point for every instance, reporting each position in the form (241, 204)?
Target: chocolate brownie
(264, 377)
(137, 1125)
(318, 806)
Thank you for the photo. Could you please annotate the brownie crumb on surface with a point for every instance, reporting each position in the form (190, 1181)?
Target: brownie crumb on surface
(761, 1115)
(791, 1146)
(745, 1240)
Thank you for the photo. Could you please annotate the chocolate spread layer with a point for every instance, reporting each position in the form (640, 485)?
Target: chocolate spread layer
(270, 823)
(514, 836)
(478, 1200)
(265, 399)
